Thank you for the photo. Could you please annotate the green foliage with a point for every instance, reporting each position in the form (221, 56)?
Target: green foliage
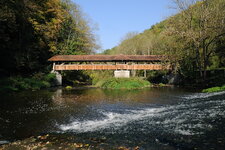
(69, 87)
(161, 84)
(75, 37)
(214, 89)
(36, 82)
(156, 76)
(50, 78)
(193, 39)
(34, 30)
(99, 76)
(123, 83)
(215, 62)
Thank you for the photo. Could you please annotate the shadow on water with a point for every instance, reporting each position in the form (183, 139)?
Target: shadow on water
(151, 118)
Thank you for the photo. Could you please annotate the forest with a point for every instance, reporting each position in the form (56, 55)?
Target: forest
(193, 40)
(33, 31)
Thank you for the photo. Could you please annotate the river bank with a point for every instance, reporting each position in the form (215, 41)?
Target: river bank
(214, 89)
(19, 83)
(123, 83)
(54, 141)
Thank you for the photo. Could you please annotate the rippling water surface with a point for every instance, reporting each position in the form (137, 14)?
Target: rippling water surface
(152, 118)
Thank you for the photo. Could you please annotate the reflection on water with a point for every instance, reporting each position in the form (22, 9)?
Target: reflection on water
(155, 118)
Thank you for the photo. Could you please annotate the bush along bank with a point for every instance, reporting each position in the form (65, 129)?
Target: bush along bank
(36, 82)
(122, 83)
(214, 89)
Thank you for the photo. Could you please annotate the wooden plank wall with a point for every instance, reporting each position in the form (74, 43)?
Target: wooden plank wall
(112, 67)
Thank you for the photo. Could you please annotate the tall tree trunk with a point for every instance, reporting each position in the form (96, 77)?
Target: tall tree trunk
(204, 61)
(198, 62)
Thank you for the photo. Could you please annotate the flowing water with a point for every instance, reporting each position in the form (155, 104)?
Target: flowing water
(152, 118)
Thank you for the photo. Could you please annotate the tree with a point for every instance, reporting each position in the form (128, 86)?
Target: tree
(201, 25)
(75, 36)
(34, 30)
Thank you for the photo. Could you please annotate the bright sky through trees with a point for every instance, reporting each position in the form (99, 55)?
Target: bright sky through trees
(115, 18)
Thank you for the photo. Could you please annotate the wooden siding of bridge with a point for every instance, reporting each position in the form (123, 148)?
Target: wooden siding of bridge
(113, 67)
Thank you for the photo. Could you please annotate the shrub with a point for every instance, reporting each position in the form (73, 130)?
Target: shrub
(161, 84)
(68, 87)
(214, 89)
(50, 77)
(36, 82)
(223, 88)
(123, 83)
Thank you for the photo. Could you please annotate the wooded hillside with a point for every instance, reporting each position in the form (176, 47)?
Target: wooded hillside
(194, 38)
(31, 31)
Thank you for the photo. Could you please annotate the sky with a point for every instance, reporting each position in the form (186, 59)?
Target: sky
(116, 18)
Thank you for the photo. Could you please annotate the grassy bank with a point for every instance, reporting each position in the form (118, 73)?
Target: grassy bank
(214, 89)
(122, 83)
(18, 83)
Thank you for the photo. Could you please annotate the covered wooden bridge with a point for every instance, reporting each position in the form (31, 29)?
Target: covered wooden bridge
(109, 62)
(121, 64)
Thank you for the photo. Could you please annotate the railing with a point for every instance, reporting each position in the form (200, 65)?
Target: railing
(112, 67)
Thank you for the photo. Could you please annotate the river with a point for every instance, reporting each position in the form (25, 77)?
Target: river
(152, 118)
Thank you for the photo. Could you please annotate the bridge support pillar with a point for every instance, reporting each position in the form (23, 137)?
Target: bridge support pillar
(122, 74)
(58, 78)
(133, 73)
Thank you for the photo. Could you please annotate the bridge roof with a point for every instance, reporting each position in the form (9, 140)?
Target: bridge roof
(105, 58)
